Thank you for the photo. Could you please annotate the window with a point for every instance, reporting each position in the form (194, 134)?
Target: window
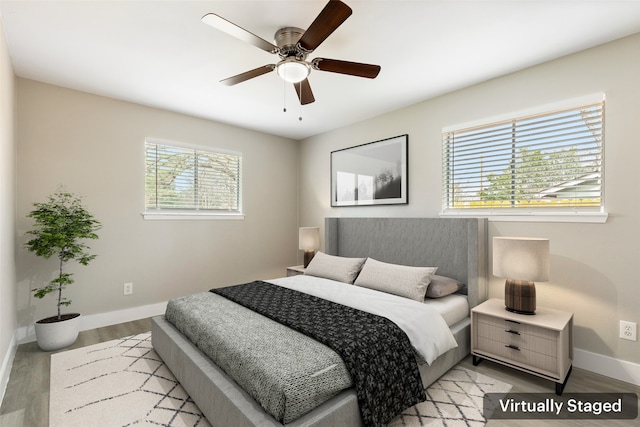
(539, 164)
(186, 181)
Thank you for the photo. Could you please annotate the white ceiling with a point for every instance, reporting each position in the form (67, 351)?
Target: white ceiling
(159, 53)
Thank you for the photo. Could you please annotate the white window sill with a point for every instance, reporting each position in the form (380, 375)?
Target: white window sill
(191, 216)
(586, 217)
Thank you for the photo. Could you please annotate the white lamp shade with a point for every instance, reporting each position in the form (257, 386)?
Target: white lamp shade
(521, 258)
(292, 71)
(309, 238)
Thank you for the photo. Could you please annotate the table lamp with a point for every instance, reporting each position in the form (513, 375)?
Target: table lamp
(522, 261)
(309, 242)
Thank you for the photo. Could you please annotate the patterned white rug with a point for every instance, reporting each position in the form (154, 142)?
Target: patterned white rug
(456, 399)
(118, 383)
(125, 383)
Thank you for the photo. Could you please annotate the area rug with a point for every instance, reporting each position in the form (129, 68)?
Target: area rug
(125, 383)
(456, 399)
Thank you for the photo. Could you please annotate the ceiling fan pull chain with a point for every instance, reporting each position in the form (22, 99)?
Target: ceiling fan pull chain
(300, 116)
(284, 96)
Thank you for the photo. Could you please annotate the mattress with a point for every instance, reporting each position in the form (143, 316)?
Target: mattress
(453, 308)
(288, 373)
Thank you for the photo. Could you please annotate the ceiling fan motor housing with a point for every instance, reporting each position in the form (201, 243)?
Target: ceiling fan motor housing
(287, 41)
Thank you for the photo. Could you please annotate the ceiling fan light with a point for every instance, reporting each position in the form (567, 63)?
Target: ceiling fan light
(293, 71)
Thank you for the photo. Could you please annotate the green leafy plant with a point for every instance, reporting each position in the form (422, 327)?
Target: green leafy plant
(61, 224)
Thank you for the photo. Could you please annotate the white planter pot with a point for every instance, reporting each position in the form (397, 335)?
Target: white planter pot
(58, 334)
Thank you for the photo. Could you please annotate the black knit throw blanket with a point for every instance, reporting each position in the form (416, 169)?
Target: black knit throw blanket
(377, 353)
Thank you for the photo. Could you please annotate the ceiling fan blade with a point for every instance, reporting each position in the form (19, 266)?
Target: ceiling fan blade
(230, 81)
(331, 17)
(345, 67)
(303, 89)
(240, 33)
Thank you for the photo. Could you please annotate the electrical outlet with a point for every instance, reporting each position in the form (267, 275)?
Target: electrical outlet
(628, 330)
(128, 288)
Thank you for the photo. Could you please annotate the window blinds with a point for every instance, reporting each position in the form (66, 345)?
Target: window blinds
(546, 161)
(179, 178)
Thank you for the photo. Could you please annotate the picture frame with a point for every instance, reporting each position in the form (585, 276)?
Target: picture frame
(375, 173)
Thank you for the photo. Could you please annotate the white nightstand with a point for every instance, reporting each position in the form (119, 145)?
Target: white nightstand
(295, 270)
(540, 344)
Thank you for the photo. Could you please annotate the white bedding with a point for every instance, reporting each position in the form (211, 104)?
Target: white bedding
(453, 308)
(424, 325)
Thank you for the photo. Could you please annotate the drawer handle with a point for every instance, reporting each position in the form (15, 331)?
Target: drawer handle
(511, 331)
(512, 321)
(513, 347)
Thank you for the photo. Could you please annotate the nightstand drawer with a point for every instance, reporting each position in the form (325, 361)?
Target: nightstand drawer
(517, 327)
(512, 352)
(528, 337)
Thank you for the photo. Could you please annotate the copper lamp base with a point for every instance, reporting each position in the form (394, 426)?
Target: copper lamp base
(520, 296)
(308, 256)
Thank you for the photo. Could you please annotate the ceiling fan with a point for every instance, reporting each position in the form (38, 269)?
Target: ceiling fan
(293, 45)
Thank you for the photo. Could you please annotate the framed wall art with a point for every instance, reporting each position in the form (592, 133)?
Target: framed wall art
(371, 174)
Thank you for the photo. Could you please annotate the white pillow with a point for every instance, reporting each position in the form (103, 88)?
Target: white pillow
(334, 267)
(442, 286)
(401, 280)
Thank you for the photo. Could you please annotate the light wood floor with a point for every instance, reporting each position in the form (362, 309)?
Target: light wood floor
(26, 401)
(580, 381)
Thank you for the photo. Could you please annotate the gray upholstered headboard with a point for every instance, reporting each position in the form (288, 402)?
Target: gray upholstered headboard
(457, 246)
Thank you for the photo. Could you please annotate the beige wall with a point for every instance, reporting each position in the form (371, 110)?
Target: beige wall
(7, 203)
(593, 266)
(95, 147)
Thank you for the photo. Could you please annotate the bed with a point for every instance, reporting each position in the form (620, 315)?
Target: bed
(456, 246)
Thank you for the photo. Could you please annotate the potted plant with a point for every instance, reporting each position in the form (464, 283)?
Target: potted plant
(61, 225)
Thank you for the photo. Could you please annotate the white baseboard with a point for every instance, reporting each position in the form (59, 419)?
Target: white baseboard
(607, 366)
(114, 317)
(7, 363)
(27, 334)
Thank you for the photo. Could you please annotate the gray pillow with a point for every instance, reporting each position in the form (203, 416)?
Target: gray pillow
(334, 267)
(442, 286)
(401, 280)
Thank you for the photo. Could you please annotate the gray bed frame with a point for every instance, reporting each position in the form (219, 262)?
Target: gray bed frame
(457, 246)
